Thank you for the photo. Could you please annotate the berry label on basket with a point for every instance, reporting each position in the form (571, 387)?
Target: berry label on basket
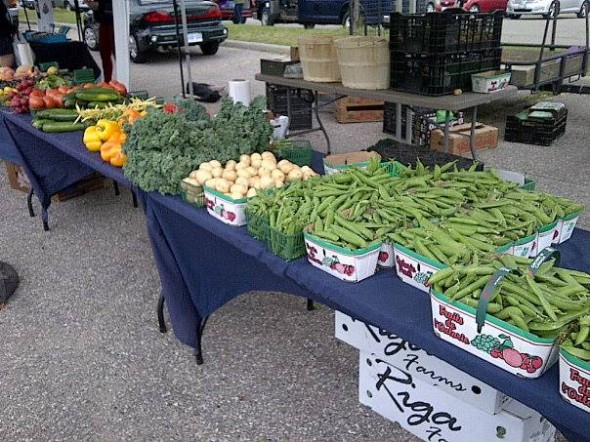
(499, 343)
(413, 269)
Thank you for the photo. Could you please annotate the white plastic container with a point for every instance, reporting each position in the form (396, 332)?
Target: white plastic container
(524, 247)
(489, 82)
(414, 269)
(567, 226)
(386, 256)
(545, 236)
(224, 208)
(344, 264)
(574, 380)
(514, 350)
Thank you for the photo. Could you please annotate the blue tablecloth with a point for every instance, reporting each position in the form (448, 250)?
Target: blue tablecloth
(220, 262)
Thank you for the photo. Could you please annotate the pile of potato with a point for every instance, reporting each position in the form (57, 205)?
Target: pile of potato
(252, 173)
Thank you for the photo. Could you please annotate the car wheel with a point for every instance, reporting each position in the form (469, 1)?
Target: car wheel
(265, 19)
(309, 26)
(584, 10)
(474, 9)
(234, 20)
(244, 20)
(135, 54)
(430, 7)
(209, 48)
(91, 38)
(514, 16)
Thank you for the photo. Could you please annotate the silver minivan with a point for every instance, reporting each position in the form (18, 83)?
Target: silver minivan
(547, 8)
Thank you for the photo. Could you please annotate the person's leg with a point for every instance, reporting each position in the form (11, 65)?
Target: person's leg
(106, 42)
(238, 12)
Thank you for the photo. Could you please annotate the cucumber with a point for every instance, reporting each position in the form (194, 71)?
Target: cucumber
(39, 122)
(101, 95)
(58, 114)
(62, 126)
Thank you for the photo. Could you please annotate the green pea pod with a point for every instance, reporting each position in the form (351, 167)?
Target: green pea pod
(582, 335)
(539, 294)
(577, 352)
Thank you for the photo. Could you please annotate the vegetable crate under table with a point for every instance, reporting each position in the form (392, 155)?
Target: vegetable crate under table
(541, 124)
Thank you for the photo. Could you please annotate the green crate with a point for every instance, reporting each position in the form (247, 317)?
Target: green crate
(44, 66)
(297, 151)
(257, 225)
(142, 95)
(288, 247)
(197, 200)
(82, 76)
(529, 184)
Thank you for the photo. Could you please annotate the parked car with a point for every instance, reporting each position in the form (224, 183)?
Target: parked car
(485, 5)
(227, 10)
(30, 4)
(70, 5)
(152, 26)
(546, 8)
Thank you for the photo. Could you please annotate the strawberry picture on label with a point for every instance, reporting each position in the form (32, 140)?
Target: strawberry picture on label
(505, 350)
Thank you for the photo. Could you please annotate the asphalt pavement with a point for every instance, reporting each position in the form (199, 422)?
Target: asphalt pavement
(81, 357)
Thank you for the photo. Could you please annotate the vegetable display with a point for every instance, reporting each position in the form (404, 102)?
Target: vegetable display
(244, 178)
(543, 303)
(57, 121)
(163, 148)
(107, 137)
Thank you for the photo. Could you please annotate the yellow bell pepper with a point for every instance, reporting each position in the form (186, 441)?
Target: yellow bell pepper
(92, 139)
(107, 128)
(119, 159)
(109, 149)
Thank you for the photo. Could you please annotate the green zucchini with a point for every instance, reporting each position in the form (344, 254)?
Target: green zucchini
(92, 94)
(62, 126)
(39, 122)
(58, 114)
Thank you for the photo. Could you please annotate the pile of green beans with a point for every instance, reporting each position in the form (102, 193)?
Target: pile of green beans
(544, 304)
(577, 342)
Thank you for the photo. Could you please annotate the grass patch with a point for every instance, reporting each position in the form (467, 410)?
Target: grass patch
(278, 35)
(59, 15)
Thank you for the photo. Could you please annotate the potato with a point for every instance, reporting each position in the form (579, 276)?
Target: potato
(277, 175)
(256, 162)
(268, 164)
(244, 173)
(242, 165)
(254, 181)
(215, 164)
(205, 166)
(217, 172)
(294, 175)
(306, 169)
(229, 175)
(268, 156)
(243, 181)
(279, 183)
(236, 196)
(255, 156)
(263, 172)
(223, 185)
(251, 193)
(266, 182)
(212, 183)
(286, 167)
(253, 171)
(239, 188)
(202, 175)
(230, 165)
(245, 159)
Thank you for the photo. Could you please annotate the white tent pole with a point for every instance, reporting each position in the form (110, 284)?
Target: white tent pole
(187, 53)
(121, 24)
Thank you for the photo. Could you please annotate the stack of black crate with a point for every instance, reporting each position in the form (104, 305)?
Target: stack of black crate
(540, 124)
(435, 54)
(278, 99)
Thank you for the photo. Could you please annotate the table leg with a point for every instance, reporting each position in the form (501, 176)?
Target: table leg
(446, 135)
(116, 187)
(30, 202)
(199, 350)
(45, 218)
(472, 134)
(316, 107)
(160, 311)
(134, 196)
(310, 305)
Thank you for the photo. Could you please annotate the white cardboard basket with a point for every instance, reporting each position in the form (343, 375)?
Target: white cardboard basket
(224, 208)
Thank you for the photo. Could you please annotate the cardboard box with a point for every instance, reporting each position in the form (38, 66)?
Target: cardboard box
(432, 414)
(341, 161)
(294, 53)
(486, 137)
(17, 178)
(427, 368)
(19, 181)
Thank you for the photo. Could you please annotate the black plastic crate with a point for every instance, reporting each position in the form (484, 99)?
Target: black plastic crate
(417, 113)
(409, 155)
(447, 32)
(301, 101)
(440, 74)
(543, 132)
(275, 67)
